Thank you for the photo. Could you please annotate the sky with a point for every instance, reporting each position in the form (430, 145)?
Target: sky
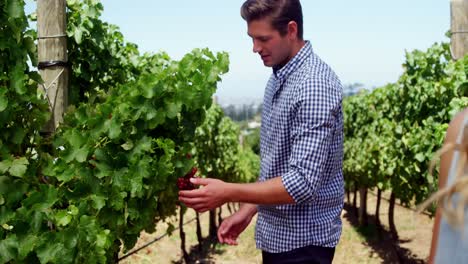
(364, 41)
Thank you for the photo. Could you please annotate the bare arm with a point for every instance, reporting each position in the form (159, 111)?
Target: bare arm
(267, 192)
(216, 192)
(248, 209)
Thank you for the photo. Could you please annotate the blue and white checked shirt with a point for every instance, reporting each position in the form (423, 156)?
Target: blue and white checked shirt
(301, 140)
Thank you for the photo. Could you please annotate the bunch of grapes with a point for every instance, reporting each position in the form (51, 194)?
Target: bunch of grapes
(183, 183)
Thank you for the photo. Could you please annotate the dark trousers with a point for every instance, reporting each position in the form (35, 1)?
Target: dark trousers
(304, 255)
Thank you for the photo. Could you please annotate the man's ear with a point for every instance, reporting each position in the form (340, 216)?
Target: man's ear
(292, 30)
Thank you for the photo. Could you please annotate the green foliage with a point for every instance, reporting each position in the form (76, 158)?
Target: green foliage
(252, 140)
(392, 132)
(218, 152)
(101, 58)
(249, 165)
(22, 110)
(217, 146)
(109, 171)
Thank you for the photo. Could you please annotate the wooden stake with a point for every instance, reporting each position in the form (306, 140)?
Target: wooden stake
(459, 28)
(52, 50)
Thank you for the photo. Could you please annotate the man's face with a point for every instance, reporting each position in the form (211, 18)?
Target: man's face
(273, 48)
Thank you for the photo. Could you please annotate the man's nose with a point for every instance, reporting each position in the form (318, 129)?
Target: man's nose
(256, 47)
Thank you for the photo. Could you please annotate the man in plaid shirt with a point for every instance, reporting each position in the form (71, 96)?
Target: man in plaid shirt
(299, 195)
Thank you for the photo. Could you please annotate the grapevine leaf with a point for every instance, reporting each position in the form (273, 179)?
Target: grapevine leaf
(15, 9)
(19, 167)
(67, 174)
(5, 165)
(49, 252)
(8, 249)
(18, 79)
(103, 170)
(43, 199)
(419, 157)
(114, 130)
(76, 138)
(27, 244)
(3, 100)
(81, 154)
(35, 76)
(172, 110)
(127, 145)
(102, 239)
(78, 35)
(63, 218)
(98, 201)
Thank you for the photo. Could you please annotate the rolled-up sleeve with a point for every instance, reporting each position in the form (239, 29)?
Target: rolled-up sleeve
(312, 132)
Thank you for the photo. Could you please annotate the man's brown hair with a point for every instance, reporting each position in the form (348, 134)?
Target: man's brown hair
(280, 13)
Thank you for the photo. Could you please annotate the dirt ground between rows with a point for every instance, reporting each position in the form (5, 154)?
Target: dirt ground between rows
(357, 244)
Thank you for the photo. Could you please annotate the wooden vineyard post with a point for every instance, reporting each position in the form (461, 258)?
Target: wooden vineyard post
(459, 28)
(53, 58)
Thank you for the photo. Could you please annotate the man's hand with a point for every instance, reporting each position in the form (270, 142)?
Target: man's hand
(231, 227)
(213, 194)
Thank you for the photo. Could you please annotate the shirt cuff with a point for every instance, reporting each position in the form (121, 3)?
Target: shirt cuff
(297, 187)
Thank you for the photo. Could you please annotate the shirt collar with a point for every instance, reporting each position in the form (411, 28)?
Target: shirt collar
(294, 63)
